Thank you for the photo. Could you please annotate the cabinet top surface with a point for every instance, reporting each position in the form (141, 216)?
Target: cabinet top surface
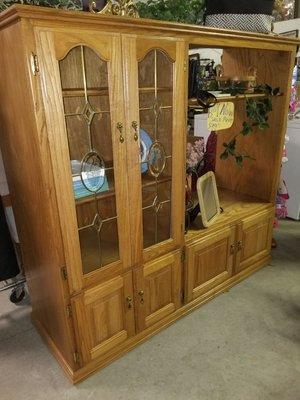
(53, 16)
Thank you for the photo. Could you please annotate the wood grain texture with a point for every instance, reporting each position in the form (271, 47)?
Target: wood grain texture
(157, 289)
(103, 317)
(209, 262)
(26, 155)
(142, 336)
(257, 178)
(235, 207)
(195, 33)
(254, 239)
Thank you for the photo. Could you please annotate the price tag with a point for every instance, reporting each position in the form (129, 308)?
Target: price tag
(221, 116)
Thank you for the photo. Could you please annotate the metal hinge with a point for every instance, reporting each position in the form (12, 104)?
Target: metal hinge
(183, 255)
(64, 273)
(69, 311)
(76, 357)
(185, 66)
(35, 68)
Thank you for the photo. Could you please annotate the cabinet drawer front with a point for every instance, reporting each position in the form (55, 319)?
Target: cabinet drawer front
(158, 289)
(209, 262)
(254, 239)
(104, 316)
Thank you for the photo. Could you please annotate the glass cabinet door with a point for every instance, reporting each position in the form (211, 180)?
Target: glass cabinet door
(88, 71)
(160, 112)
(85, 90)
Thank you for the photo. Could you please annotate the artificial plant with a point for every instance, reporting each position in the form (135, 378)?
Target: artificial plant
(188, 11)
(257, 112)
(66, 4)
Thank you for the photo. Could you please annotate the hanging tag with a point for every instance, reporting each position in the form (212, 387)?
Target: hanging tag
(221, 116)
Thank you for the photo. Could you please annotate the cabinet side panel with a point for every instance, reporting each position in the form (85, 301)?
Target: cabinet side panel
(258, 177)
(29, 174)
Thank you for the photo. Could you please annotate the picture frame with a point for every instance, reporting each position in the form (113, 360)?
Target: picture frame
(208, 199)
(292, 34)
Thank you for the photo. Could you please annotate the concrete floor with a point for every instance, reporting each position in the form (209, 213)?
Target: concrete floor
(243, 345)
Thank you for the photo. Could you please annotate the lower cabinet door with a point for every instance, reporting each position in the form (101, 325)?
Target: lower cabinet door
(104, 316)
(158, 289)
(209, 262)
(254, 239)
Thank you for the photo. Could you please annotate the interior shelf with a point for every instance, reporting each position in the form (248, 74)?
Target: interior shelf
(193, 103)
(235, 206)
(147, 181)
(104, 91)
(81, 92)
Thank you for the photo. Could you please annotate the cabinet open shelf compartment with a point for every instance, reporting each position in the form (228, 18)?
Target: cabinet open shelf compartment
(235, 207)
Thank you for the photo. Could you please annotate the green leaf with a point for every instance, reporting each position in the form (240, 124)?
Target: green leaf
(224, 155)
(247, 129)
(239, 160)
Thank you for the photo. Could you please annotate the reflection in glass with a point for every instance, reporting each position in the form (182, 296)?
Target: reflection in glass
(156, 115)
(84, 81)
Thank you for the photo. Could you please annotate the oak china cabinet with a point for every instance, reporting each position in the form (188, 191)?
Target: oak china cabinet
(93, 135)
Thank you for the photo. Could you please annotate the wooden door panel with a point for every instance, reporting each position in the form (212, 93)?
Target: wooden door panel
(158, 289)
(105, 316)
(254, 239)
(209, 262)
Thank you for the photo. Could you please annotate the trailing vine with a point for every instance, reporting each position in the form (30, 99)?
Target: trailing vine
(257, 112)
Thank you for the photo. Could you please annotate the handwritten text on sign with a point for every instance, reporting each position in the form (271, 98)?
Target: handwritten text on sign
(221, 116)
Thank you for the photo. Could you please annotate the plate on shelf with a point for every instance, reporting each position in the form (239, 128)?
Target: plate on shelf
(89, 175)
(145, 145)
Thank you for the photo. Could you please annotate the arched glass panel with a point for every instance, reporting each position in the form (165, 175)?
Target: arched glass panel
(85, 88)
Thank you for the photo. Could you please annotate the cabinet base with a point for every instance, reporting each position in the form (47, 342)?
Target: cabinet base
(95, 365)
(54, 350)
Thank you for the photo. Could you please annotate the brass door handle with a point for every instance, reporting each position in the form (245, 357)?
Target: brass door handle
(240, 245)
(141, 294)
(129, 302)
(232, 249)
(135, 126)
(120, 129)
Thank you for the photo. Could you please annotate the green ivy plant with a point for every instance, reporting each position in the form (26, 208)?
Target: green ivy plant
(187, 11)
(257, 112)
(66, 4)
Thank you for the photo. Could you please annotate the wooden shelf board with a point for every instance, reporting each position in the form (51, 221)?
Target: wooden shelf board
(194, 104)
(81, 92)
(235, 206)
(152, 89)
(105, 91)
(146, 182)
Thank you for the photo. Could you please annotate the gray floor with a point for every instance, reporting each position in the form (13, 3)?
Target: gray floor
(244, 345)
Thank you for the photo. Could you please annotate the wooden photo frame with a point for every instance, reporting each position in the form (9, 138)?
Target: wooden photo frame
(208, 198)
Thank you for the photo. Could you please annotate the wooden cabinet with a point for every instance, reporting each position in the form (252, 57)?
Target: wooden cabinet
(209, 262)
(158, 289)
(98, 179)
(254, 239)
(105, 317)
